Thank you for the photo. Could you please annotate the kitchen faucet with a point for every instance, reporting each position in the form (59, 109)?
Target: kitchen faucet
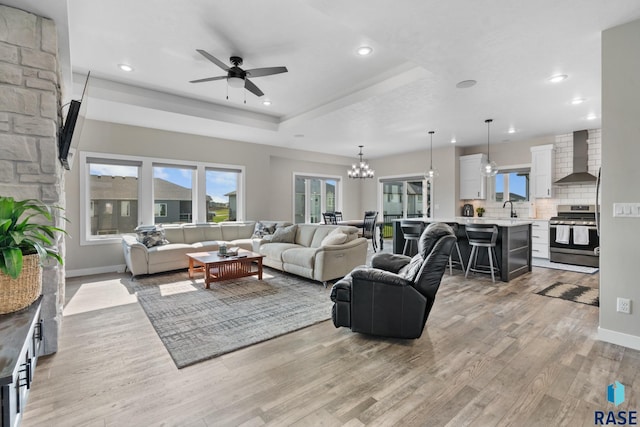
(513, 213)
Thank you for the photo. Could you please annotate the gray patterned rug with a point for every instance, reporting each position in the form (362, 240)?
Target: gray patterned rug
(197, 324)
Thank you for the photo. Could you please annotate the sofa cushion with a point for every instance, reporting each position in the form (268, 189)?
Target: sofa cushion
(236, 230)
(303, 257)
(173, 233)
(212, 232)
(193, 233)
(305, 234)
(285, 234)
(275, 250)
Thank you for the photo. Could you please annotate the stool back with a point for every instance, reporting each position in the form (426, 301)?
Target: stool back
(412, 229)
(481, 234)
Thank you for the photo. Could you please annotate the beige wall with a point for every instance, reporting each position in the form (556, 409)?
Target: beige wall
(620, 174)
(268, 169)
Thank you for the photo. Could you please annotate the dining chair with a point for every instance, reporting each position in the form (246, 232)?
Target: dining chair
(369, 228)
(329, 218)
(338, 216)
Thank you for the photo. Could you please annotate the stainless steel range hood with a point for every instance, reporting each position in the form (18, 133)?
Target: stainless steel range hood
(580, 174)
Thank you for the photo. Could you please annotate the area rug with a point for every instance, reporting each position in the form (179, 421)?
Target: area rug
(545, 263)
(197, 324)
(575, 293)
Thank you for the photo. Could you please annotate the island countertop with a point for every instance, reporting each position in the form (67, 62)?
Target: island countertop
(513, 244)
(501, 222)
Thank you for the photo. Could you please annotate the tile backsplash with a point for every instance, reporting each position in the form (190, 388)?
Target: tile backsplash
(576, 194)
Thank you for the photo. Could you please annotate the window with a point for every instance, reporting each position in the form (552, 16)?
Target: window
(125, 208)
(314, 195)
(119, 193)
(110, 183)
(173, 191)
(222, 194)
(404, 197)
(160, 210)
(512, 185)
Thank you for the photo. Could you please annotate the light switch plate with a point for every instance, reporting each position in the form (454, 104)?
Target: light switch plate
(628, 210)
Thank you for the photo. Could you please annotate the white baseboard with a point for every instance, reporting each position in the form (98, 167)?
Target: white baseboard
(619, 338)
(96, 270)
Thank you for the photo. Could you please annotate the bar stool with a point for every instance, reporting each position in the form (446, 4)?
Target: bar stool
(411, 230)
(459, 262)
(482, 236)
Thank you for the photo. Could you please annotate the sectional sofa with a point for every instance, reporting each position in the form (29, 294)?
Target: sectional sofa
(315, 251)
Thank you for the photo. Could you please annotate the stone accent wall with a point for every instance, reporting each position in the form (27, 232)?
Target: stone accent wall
(29, 122)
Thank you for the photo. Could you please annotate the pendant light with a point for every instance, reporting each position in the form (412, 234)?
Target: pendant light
(361, 169)
(488, 168)
(431, 173)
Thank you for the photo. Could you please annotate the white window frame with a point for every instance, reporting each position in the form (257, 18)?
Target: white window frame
(125, 208)
(509, 169)
(145, 190)
(405, 200)
(323, 195)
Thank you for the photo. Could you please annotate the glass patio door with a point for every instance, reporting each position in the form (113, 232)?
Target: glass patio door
(314, 195)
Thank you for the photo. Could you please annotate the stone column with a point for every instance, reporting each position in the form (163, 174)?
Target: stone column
(29, 123)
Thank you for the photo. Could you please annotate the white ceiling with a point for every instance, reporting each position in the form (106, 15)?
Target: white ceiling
(332, 100)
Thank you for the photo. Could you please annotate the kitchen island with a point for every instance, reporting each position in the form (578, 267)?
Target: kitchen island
(513, 247)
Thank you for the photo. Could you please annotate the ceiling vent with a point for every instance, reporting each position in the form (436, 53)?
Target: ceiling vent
(580, 174)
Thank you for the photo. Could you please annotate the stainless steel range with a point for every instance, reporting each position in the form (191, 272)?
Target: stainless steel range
(573, 236)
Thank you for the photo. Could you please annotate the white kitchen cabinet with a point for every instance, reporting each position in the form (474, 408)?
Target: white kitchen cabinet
(473, 185)
(540, 239)
(542, 171)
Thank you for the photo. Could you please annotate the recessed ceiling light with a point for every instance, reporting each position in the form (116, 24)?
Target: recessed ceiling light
(364, 50)
(266, 102)
(465, 84)
(576, 101)
(591, 116)
(558, 78)
(453, 140)
(298, 135)
(511, 130)
(125, 67)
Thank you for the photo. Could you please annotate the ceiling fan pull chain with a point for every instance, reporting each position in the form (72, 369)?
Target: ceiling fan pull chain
(227, 91)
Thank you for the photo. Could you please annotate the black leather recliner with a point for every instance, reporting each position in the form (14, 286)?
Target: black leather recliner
(394, 296)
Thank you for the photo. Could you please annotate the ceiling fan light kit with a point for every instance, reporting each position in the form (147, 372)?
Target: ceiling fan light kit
(362, 169)
(237, 77)
(488, 168)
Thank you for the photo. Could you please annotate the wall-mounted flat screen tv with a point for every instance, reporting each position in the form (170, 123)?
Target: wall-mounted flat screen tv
(72, 129)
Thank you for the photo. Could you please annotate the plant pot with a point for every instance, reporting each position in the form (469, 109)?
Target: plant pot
(16, 294)
(479, 214)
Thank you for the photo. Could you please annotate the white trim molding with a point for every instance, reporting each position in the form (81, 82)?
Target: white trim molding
(619, 338)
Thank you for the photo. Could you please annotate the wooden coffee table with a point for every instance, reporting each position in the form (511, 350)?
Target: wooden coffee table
(217, 268)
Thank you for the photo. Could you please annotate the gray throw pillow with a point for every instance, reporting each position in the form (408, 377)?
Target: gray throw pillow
(285, 234)
(151, 235)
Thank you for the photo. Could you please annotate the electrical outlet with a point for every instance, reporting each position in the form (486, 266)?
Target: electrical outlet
(624, 305)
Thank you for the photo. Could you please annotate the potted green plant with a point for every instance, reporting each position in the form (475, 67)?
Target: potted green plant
(480, 211)
(25, 242)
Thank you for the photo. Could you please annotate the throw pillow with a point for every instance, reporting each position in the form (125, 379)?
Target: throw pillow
(151, 235)
(262, 230)
(285, 234)
(334, 239)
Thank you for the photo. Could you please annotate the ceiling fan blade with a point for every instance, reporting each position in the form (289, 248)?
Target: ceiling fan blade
(248, 85)
(213, 59)
(259, 72)
(208, 79)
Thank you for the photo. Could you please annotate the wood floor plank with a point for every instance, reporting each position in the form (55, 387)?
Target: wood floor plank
(491, 355)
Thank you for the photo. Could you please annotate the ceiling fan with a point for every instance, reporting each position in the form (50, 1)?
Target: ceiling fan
(236, 76)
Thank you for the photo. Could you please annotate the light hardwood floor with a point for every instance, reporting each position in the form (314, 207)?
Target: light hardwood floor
(491, 355)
